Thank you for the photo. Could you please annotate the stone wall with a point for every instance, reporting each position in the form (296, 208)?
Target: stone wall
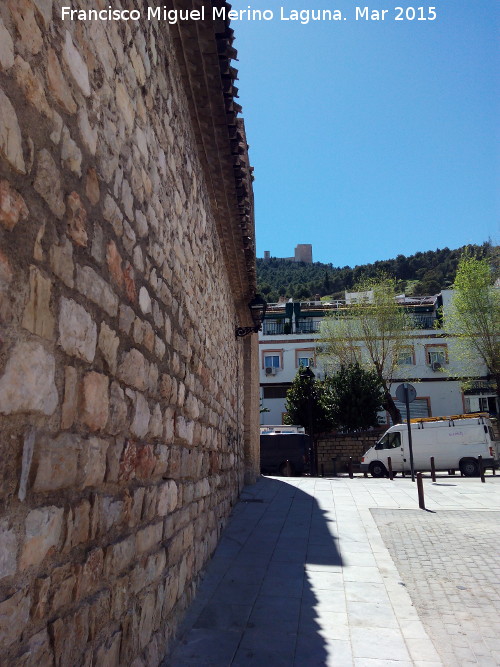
(124, 441)
(342, 446)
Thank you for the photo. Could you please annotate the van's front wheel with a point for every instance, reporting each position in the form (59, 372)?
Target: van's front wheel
(377, 469)
(469, 468)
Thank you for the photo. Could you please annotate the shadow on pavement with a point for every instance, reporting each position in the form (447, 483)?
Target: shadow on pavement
(277, 567)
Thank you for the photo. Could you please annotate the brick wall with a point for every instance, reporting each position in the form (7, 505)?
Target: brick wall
(342, 446)
(122, 388)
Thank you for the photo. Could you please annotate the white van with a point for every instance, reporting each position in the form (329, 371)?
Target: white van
(454, 442)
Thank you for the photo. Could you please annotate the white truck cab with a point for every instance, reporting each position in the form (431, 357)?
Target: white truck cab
(455, 443)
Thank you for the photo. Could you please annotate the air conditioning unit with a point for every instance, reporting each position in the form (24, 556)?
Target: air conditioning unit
(270, 370)
(436, 366)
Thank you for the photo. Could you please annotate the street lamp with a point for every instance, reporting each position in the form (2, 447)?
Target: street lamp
(258, 307)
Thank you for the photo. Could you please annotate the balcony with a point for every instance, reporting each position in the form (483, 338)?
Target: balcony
(307, 327)
(424, 321)
(273, 328)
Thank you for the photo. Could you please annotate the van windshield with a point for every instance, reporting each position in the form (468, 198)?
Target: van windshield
(389, 441)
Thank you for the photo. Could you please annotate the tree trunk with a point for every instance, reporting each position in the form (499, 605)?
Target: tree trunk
(391, 408)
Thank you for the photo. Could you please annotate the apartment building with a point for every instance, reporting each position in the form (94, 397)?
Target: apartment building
(290, 336)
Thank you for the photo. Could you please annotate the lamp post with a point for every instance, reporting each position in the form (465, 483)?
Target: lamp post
(258, 307)
(314, 464)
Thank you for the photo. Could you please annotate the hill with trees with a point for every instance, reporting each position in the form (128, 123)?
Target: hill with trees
(423, 273)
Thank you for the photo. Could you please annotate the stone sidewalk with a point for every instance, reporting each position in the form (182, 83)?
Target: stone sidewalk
(350, 572)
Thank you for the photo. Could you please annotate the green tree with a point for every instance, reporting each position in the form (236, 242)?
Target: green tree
(305, 404)
(372, 332)
(474, 315)
(354, 396)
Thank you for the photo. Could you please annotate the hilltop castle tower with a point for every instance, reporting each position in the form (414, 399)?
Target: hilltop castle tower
(303, 253)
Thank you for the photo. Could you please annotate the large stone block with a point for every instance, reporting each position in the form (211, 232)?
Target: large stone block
(167, 498)
(108, 655)
(8, 550)
(37, 652)
(112, 214)
(6, 48)
(118, 410)
(23, 14)
(76, 214)
(58, 85)
(108, 345)
(10, 135)
(89, 574)
(61, 261)
(55, 462)
(119, 556)
(95, 400)
(93, 462)
(70, 636)
(77, 330)
(95, 288)
(31, 86)
(14, 616)
(12, 206)
(149, 537)
(141, 415)
(125, 105)
(43, 529)
(37, 316)
(133, 369)
(76, 65)
(48, 182)
(44, 9)
(77, 525)
(28, 381)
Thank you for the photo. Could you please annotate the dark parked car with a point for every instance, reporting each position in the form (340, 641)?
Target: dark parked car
(285, 454)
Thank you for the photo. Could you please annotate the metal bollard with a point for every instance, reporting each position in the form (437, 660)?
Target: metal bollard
(481, 468)
(420, 491)
(334, 466)
(433, 469)
(389, 463)
(350, 468)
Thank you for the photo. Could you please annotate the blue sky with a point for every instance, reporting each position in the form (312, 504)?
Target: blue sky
(371, 139)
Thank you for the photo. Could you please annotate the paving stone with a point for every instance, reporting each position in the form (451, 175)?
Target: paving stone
(468, 540)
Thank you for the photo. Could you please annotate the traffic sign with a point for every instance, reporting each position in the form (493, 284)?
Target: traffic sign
(400, 392)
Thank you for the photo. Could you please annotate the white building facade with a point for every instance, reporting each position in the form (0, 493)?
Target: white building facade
(430, 362)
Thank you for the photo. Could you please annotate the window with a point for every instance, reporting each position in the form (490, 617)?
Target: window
(274, 392)
(406, 357)
(304, 358)
(483, 404)
(389, 441)
(436, 354)
(272, 361)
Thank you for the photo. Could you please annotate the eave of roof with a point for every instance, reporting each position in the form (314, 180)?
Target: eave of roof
(205, 51)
